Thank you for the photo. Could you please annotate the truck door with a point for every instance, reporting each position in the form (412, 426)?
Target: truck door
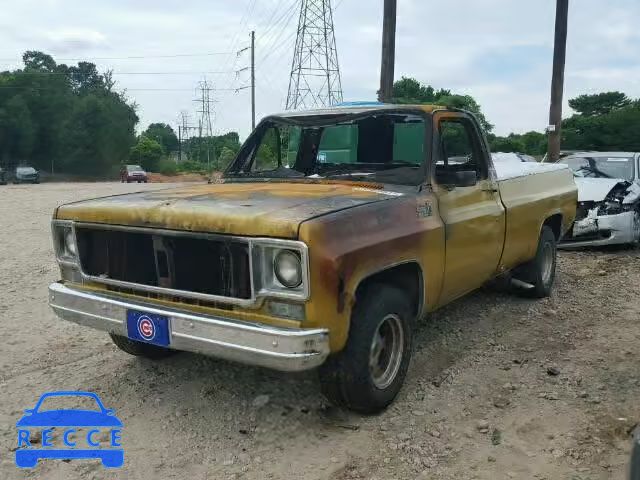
(469, 205)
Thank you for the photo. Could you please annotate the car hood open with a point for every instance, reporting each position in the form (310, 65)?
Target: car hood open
(270, 209)
(596, 189)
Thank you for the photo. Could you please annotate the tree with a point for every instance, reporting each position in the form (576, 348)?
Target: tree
(531, 143)
(225, 158)
(599, 104)
(67, 116)
(164, 135)
(147, 153)
(410, 91)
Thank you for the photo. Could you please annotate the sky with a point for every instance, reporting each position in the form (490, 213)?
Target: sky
(498, 51)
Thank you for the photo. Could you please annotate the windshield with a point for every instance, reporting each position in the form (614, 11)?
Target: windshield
(601, 167)
(64, 402)
(25, 170)
(134, 168)
(386, 148)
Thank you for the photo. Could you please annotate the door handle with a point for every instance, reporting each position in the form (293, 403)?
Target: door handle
(490, 189)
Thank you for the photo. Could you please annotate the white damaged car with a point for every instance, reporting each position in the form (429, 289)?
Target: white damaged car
(608, 210)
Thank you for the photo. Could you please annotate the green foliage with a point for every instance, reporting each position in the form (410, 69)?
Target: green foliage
(617, 130)
(411, 91)
(166, 166)
(66, 116)
(164, 135)
(196, 150)
(147, 153)
(599, 104)
(227, 156)
(531, 143)
(190, 166)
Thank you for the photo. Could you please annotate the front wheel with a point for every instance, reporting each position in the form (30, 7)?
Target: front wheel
(368, 374)
(140, 349)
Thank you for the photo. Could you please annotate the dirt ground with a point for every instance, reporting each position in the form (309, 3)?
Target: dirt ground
(500, 387)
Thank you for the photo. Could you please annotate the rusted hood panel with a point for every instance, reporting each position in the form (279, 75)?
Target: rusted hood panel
(253, 209)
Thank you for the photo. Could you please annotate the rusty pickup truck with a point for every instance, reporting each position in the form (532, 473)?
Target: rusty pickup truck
(331, 233)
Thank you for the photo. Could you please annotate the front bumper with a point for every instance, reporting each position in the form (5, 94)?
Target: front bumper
(282, 349)
(602, 230)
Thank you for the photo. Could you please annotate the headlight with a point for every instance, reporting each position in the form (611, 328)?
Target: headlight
(288, 268)
(70, 243)
(64, 241)
(280, 269)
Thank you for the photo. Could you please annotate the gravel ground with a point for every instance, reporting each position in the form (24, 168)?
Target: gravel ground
(499, 387)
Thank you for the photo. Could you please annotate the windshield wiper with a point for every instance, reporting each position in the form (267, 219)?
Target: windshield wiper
(367, 172)
(280, 172)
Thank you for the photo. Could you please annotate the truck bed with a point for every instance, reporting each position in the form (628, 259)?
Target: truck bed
(531, 191)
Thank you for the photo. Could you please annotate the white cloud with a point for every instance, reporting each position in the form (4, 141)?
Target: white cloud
(499, 51)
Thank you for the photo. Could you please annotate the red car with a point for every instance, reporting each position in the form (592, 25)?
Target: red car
(133, 173)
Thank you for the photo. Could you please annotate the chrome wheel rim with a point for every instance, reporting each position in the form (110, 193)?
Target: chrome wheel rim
(547, 263)
(386, 351)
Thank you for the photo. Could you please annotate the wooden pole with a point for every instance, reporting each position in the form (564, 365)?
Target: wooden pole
(388, 51)
(253, 80)
(557, 80)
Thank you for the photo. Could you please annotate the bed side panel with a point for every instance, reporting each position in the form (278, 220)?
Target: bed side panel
(529, 201)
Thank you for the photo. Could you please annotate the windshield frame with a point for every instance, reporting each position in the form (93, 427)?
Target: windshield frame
(239, 168)
(629, 160)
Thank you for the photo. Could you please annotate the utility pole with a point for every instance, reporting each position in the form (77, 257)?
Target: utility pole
(557, 81)
(253, 80)
(179, 143)
(387, 66)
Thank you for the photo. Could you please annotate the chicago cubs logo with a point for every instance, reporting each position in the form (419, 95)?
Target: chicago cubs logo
(146, 328)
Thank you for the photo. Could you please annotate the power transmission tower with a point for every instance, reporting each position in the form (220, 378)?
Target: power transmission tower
(315, 73)
(183, 133)
(205, 125)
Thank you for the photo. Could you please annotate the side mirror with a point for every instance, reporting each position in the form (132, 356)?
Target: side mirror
(462, 178)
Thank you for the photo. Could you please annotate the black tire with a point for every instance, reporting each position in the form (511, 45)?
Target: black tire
(541, 271)
(346, 378)
(140, 349)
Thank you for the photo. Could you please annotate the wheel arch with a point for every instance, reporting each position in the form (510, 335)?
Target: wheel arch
(554, 222)
(407, 275)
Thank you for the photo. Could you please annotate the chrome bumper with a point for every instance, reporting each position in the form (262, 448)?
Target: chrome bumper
(620, 228)
(251, 343)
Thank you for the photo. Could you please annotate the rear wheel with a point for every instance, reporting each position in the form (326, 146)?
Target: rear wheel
(636, 227)
(541, 271)
(140, 349)
(368, 374)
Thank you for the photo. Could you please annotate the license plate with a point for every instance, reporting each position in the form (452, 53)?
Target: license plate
(148, 328)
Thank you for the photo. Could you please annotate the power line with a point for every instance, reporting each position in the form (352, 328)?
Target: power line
(132, 57)
(120, 73)
(21, 87)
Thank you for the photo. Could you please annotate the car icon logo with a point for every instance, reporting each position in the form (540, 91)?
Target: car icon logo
(70, 420)
(146, 328)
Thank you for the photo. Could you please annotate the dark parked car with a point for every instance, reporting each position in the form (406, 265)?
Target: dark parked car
(133, 173)
(25, 174)
(3, 176)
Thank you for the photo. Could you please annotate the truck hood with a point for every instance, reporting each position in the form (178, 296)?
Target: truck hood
(596, 189)
(253, 209)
